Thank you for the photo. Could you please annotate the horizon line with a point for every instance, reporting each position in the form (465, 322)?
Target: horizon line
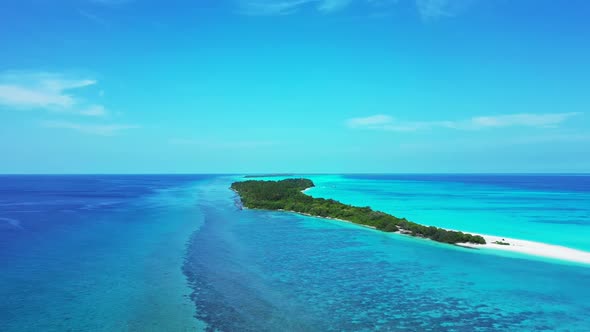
(268, 174)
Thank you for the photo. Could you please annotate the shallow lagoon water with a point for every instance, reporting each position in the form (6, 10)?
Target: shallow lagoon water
(178, 254)
(274, 271)
(545, 208)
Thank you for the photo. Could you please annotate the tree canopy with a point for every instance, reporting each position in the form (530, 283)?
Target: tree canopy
(287, 195)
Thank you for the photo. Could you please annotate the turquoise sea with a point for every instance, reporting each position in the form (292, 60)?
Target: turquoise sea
(176, 253)
(545, 208)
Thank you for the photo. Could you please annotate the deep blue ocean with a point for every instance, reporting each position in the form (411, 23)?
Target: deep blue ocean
(176, 253)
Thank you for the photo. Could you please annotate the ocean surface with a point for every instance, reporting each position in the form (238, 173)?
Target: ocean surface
(177, 253)
(545, 208)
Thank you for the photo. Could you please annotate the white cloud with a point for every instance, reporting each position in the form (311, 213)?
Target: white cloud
(269, 7)
(287, 7)
(434, 9)
(93, 110)
(388, 123)
(25, 97)
(328, 6)
(506, 141)
(47, 91)
(370, 121)
(94, 129)
(428, 9)
(524, 119)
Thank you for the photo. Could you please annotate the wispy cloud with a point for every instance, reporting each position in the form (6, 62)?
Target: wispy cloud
(110, 2)
(271, 8)
(328, 6)
(524, 119)
(370, 121)
(287, 7)
(389, 123)
(506, 141)
(428, 9)
(93, 110)
(46, 91)
(89, 128)
(434, 9)
(94, 18)
(214, 144)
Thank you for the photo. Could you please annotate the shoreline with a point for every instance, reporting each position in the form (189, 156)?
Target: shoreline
(532, 248)
(526, 247)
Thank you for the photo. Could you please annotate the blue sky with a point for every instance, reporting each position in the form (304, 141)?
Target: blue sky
(115, 86)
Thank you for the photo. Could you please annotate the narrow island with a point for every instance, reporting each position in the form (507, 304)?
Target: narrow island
(287, 195)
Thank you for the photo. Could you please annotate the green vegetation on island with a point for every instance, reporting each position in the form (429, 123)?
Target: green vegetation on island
(287, 195)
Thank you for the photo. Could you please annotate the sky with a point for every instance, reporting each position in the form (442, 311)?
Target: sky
(302, 86)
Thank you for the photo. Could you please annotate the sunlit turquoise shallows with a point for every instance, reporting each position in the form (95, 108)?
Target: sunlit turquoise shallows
(177, 253)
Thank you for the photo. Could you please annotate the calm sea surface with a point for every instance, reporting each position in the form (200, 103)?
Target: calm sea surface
(175, 253)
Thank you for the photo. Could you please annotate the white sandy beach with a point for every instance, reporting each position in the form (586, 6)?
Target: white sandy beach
(515, 245)
(539, 249)
(519, 246)
(532, 248)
